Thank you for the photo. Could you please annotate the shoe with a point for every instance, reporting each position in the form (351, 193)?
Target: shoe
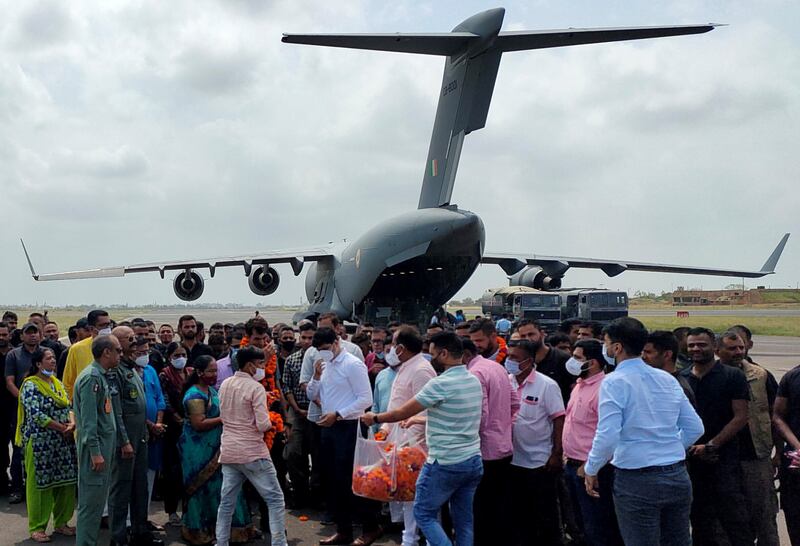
(15, 498)
(40, 536)
(153, 526)
(326, 519)
(66, 530)
(146, 540)
(368, 538)
(174, 520)
(336, 539)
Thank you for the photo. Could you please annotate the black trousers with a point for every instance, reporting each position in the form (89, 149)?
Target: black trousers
(535, 507)
(492, 502)
(718, 496)
(338, 445)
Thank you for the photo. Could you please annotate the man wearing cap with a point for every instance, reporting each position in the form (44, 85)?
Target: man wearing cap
(80, 354)
(18, 363)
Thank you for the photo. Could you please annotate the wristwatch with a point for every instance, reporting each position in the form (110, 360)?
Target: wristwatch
(338, 416)
(376, 418)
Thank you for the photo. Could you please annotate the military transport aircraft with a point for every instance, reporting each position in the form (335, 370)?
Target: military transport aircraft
(408, 266)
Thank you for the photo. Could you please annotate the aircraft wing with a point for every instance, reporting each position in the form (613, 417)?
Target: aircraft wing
(295, 257)
(434, 43)
(542, 39)
(556, 266)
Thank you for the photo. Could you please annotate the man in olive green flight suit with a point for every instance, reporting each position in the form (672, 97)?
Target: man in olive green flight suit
(96, 437)
(129, 471)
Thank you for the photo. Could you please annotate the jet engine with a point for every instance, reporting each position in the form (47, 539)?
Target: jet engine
(263, 280)
(188, 285)
(534, 277)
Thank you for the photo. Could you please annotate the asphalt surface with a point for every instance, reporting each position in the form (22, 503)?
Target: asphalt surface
(778, 354)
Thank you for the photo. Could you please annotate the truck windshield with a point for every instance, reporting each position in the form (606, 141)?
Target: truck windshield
(539, 300)
(609, 299)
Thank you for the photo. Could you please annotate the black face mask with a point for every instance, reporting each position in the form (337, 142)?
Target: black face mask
(288, 346)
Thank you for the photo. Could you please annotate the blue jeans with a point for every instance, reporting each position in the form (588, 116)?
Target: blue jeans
(453, 483)
(653, 505)
(598, 516)
(262, 475)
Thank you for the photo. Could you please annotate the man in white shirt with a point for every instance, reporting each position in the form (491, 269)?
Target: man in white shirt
(341, 386)
(537, 448)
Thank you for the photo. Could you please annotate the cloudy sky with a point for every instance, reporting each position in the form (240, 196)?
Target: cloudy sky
(141, 131)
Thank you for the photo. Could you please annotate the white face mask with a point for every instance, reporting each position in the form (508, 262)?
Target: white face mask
(260, 374)
(142, 361)
(392, 359)
(179, 363)
(48, 373)
(512, 366)
(576, 367)
(610, 359)
(326, 355)
(104, 332)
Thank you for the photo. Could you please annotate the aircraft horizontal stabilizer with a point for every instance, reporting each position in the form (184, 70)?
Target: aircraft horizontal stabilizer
(556, 266)
(542, 39)
(440, 43)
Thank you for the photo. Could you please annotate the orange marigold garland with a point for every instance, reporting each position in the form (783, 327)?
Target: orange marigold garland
(502, 352)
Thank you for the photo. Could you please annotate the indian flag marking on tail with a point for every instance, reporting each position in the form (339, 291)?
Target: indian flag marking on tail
(434, 167)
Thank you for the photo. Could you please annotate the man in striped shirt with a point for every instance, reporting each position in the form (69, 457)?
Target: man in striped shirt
(454, 468)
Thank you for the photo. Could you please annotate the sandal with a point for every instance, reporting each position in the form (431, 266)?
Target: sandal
(40, 536)
(66, 530)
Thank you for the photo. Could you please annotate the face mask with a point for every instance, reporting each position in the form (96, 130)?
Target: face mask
(288, 346)
(380, 356)
(326, 355)
(104, 332)
(512, 366)
(576, 367)
(179, 363)
(209, 380)
(142, 361)
(610, 359)
(392, 359)
(427, 357)
(260, 374)
(48, 373)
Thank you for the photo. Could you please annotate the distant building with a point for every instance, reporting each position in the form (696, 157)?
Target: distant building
(733, 296)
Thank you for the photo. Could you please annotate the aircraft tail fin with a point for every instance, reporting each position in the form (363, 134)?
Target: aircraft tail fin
(772, 261)
(473, 50)
(27, 257)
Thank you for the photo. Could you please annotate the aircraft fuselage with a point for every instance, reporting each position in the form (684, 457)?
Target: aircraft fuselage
(402, 269)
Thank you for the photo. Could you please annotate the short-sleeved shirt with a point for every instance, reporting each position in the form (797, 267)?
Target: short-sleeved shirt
(18, 363)
(789, 388)
(412, 376)
(197, 350)
(714, 393)
(540, 403)
(454, 401)
(554, 366)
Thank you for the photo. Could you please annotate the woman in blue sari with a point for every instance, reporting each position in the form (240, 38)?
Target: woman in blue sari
(199, 446)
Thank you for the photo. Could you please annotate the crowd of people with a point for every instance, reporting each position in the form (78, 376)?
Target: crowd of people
(586, 435)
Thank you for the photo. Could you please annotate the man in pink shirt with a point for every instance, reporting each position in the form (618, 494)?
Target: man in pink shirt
(500, 406)
(599, 519)
(413, 372)
(243, 453)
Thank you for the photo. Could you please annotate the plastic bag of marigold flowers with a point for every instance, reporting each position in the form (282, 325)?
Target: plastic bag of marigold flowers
(373, 466)
(408, 460)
